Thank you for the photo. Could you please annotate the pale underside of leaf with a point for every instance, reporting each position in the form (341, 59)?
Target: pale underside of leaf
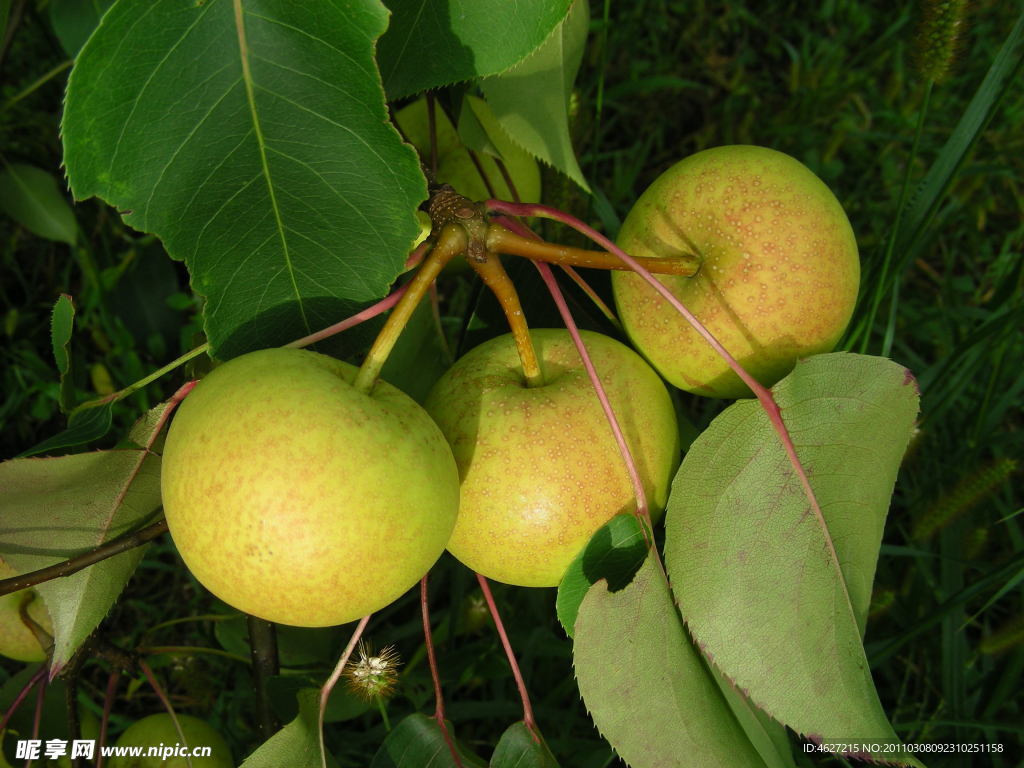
(776, 595)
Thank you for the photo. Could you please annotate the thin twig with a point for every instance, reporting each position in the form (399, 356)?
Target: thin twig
(75, 564)
(524, 696)
(428, 639)
(325, 692)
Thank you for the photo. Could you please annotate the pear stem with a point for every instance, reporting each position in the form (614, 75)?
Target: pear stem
(325, 692)
(496, 278)
(450, 244)
(108, 705)
(428, 639)
(528, 718)
(22, 695)
(165, 700)
(500, 239)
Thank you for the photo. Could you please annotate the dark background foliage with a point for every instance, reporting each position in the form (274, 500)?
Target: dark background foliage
(834, 84)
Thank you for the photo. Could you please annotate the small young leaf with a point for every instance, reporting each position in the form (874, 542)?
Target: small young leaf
(33, 199)
(614, 553)
(84, 426)
(776, 596)
(517, 748)
(417, 742)
(61, 324)
(531, 100)
(56, 508)
(429, 45)
(646, 686)
(297, 745)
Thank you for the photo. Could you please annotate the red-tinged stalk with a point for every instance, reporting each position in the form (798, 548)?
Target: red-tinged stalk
(428, 639)
(642, 510)
(325, 692)
(762, 393)
(528, 718)
(584, 286)
(37, 718)
(22, 695)
(108, 705)
(166, 701)
(369, 313)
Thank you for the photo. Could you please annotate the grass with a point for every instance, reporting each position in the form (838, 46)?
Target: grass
(834, 84)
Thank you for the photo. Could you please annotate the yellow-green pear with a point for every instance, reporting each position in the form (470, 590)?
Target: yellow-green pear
(778, 274)
(454, 164)
(299, 499)
(17, 640)
(539, 466)
(158, 731)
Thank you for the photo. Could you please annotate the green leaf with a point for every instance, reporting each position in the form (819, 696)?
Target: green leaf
(417, 742)
(74, 20)
(531, 100)
(431, 43)
(53, 509)
(62, 322)
(776, 597)
(342, 705)
(297, 745)
(517, 748)
(33, 199)
(646, 686)
(84, 426)
(254, 141)
(614, 553)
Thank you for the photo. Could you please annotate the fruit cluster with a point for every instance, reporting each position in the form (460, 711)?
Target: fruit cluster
(296, 496)
(300, 496)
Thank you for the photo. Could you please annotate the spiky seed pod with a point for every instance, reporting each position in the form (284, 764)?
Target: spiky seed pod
(965, 495)
(938, 37)
(374, 675)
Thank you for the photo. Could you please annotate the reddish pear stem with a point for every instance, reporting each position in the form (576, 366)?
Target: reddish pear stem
(37, 718)
(501, 240)
(528, 718)
(22, 695)
(325, 692)
(108, 705)
(762, 393)
(166, 701)
(428, 639)
(642, 510)
(369, 313)
(584, 286)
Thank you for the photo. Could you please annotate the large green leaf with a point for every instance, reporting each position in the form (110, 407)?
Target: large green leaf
(431, 43)
(297, 745)
(646, 686)
(417, 742)
(252, 137)
(776, 595)
(53, 509)
(519, 748)
(531, 100)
